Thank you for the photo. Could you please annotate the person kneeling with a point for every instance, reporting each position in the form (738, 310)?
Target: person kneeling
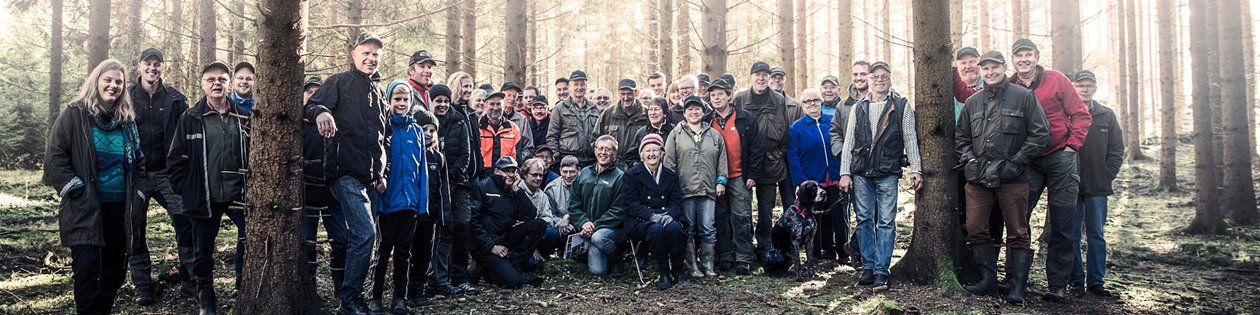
(653, 200)
(506, 228)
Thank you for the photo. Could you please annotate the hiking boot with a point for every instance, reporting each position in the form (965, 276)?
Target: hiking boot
(467, 288)
(743, 270)
(145, 296)
(1099, 291)
(616, 267)
(1076, 289)
(207, 299)
(188, 289)
(399, 306)
(446, 290)
(1055, 294)
(1018, 261)
(986, 260)
(867, 278)
(353, 308)
(375, 306)
(880, 284)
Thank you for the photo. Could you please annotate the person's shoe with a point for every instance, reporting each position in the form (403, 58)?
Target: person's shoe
(446, 290)
(678, 269)
(375, 306)
(145, 297)
(207, 299)
(986, 260)
(617, 269)
(880, 284)
(399, 306)
(418, 300)
(743, 270)
(692, 267)
(534, 279)
(1018, 261)
(188, 289)
(1076, 289)
(467, 288)
(1099, 291)
(1055, 294)
(706, 260)
(827, 254)
(723, 266)
(867, 278)
(353, 308)
(416, 296)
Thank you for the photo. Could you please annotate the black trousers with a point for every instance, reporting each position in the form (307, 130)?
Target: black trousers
(833, 227)
(421, 251)
(521, 241)
(661, 241)
(397, 231)
(765, 208)
(100, 270)
(204, 233)
(141, 265)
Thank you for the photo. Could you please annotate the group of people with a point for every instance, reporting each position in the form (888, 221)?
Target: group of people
(456, 183)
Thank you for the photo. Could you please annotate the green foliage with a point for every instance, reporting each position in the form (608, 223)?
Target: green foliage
(22, 147)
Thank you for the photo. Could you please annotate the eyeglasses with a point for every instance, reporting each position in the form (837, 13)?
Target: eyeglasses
(602, 98)
(880, 78)
(536, 174)
(216, 80)
(812, 100)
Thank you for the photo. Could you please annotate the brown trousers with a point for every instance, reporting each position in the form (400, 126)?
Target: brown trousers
(1013, 201)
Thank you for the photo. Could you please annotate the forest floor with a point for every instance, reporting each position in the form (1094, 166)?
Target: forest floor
(1153, 267)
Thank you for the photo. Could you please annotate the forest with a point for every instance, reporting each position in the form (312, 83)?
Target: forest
(1182, 227)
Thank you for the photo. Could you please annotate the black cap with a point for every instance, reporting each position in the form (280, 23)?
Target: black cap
(720, 84)
(424, 117)
(703, 78)
(880, 64)
(760, 66)
(626, 83)
(545, 147)
(365, 37)
(486, 87)
(151, 53)
(439, 90)
(244, 65)
(693, 101)
(831, 78)
(505, 163)
(577, 75)
(316, 80)
(510, 86)
(1084, 74)
(540, 99)
(967, 51)
(1023, 43)
(730, 78)
(992, 56)
(422, 56)
(216, 65)
(777, 71)
(498, 95)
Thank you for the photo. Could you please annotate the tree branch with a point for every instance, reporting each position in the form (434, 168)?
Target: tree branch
(395, 22)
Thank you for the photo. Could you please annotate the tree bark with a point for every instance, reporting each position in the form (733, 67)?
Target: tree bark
(1249, 64)
(208, 28)
(1240, 194)
(514, 51)
(273, 284)
(936, 247)
(665, 43)
(986, 39)
(55, 53)
(713, 37)
(799, 74)
(955, 20)
(1134, 111)
(683, 48)
(470, 38)
(787, 51)
(98, 33)
(886, 25)
(453, 63)
(531, 46)
(844, 26)
(1019, 19)
(1208, 218)
(1122, 69)
(1066, 35)
(1168, 126)
(1214, 93)
(135, 34)
(652, 34)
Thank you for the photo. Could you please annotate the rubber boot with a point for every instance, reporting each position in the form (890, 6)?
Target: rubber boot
(205, 293)
(679, 269)
(1018, 263)
(662, 266)
(691, 261)
(986, 259)
(706, 259)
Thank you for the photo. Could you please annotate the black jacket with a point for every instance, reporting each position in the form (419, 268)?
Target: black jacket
(750, 143)
(361, 110)
(156, 116)
(882, 153)
(318, 193)
(439, 186)
(996, 143)
(186, 162)
(773, 120)
(1103, 153)
(462, 161)
(632, 152)
(496, 211)
(644, 197)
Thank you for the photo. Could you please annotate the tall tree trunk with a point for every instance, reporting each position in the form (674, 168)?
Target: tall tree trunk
(683, 48)
(354, 16)
(1019, 19)
(1240, 194)
(800, 73)
(886, 25)
(1066, 35)
(208, 28)
(652, 32)
(986, 39)
(453, 63)
(174, 43)
(1208, 218)
(98, 33)
(936, 247)
(531, 43)
(1134, 111)
(273, 284)
(135, 34)
(1249, 63)
(1214, 93)
(470, 38)
(1122, 69)
(955, 20)
(514, 51)
(55, 54)
(666, 42)
(713, 37)
(787, 51)
(238, 32)
(844, 26)
(1168, 127)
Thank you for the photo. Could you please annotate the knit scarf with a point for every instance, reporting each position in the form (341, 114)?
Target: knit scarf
(131, 137)
(246, 105)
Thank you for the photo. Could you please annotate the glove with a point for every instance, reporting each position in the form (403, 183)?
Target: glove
(662, 219)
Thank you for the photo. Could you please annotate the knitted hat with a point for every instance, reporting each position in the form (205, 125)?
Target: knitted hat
(424, 117)
(651, 138)
(439, 90)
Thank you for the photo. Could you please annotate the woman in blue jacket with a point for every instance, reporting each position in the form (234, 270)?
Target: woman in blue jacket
(406, 197)
(810, 158)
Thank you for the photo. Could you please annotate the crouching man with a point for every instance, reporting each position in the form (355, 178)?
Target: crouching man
(505, 228)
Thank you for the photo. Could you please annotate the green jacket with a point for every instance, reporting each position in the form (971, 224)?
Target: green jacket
(593, 198)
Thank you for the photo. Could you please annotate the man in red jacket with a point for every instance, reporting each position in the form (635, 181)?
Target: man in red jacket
(1056, 168)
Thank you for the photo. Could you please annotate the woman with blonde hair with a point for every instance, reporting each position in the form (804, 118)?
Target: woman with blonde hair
(675, 107)
(92, 159)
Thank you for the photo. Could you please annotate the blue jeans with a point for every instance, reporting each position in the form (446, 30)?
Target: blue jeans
(876, 202)
(356, 204)
(1093, 211)
(699, 213)
(601, 244)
